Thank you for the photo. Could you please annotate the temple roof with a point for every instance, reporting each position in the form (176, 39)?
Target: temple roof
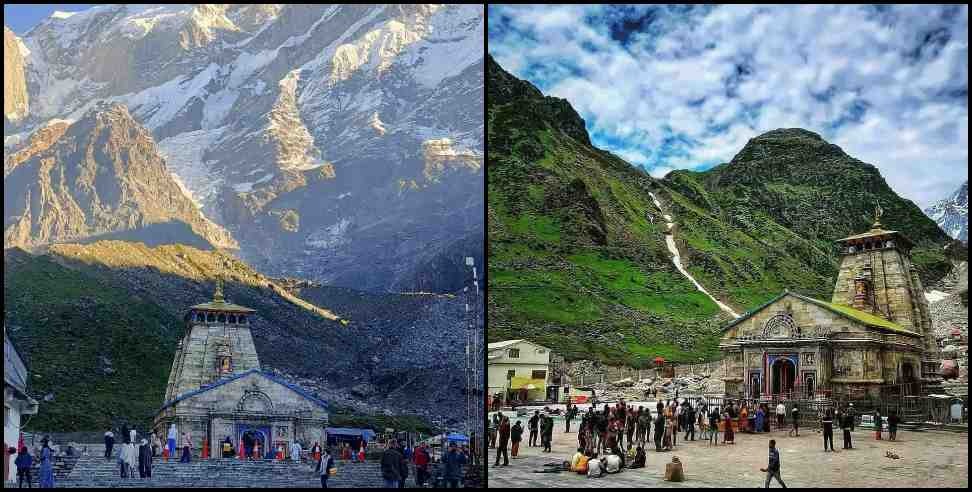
(229, 379)
(218, 305)
(848, 312)
(870, 233)
(876, 231)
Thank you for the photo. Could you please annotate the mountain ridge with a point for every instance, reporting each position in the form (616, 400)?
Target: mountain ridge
(581, 250)
(294, 127)
(952, 213)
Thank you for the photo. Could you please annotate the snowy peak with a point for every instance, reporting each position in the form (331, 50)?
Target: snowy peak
(293, 126)
(15, 98)
(111, 182)
(952, 213)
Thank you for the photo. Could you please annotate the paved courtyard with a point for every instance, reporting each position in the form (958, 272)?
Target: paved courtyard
(928, 459)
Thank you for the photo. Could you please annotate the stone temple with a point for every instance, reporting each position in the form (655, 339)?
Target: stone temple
(873, 337)
(218, 389)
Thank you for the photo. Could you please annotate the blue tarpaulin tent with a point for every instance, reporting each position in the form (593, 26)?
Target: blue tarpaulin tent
(456, 437)
(350, 435)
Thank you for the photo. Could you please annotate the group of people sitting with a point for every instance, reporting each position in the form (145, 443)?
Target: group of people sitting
(595, 466)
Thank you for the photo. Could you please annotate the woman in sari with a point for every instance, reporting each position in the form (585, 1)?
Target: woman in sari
(744, 418)
(760, 417)
(728, 437)
(47, 465)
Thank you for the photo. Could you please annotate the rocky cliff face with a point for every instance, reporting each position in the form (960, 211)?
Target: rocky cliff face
(952, 213)
(101, 175)
(15, 98)
(582, 243)
(302, 129)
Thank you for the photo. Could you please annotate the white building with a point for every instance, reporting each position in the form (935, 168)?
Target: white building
(518, 370)
(16, 401)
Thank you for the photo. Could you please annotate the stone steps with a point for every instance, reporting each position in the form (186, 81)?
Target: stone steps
(96, 471)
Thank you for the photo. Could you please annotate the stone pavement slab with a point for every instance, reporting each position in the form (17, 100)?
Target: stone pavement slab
(928, 459)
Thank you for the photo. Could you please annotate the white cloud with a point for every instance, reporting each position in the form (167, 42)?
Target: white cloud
(690, 87)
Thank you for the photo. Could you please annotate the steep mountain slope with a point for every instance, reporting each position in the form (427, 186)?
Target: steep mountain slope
(98, 324)
(98, 176)
(792, 181)
(952, 213)
(579, 258)
(15, 98)
(342, 143)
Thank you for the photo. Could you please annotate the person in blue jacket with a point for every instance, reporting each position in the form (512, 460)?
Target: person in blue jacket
(454, 462)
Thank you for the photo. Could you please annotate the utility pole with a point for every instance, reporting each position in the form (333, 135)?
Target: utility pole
(474, 361)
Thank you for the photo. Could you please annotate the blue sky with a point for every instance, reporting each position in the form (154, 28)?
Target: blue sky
(21, 18)
(684, 87)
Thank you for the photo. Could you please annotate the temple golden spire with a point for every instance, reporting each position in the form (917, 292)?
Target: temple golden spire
(878, 212)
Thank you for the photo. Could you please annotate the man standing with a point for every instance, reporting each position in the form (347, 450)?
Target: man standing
(828, 429)
(453, 466)
(504, 441)
(324, 466)
(644, 424)
(109, 444)
(689, 422)
(773, 469)
(893, 425)
(145, 459)
(569, 415)
(534, 424)
(493, 429)
(547, 433)
(659, 427)
(796, 421)
(516, 435)
(780, 415)
(422, 460)
(845, 425)
(853, 414)
(390, 465)
(877, 424)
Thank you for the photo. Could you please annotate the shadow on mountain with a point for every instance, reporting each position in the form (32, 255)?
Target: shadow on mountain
(171, 232)
(104, 319)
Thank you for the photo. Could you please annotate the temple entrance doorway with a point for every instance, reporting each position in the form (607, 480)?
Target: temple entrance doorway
(784, 375)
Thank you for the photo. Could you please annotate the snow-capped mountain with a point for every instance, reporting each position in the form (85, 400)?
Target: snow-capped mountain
(340, 143)
(952, 213)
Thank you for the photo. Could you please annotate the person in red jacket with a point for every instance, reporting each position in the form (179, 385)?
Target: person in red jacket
(421, 458)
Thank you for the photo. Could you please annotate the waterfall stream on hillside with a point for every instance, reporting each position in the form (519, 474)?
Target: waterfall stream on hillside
(677, 258)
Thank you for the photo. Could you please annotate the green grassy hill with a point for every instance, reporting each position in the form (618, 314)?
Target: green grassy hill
(577, 254)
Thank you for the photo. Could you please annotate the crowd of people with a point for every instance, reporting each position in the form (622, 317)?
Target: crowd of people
(25, 461)
(396, 458)
(614, 437)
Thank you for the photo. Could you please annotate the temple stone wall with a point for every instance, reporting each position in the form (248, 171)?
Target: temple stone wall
(266, 402)
(195, 364)
(894, 292)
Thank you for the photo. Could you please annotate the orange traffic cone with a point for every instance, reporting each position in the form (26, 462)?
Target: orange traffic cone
(242, 453)
(205, 450)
